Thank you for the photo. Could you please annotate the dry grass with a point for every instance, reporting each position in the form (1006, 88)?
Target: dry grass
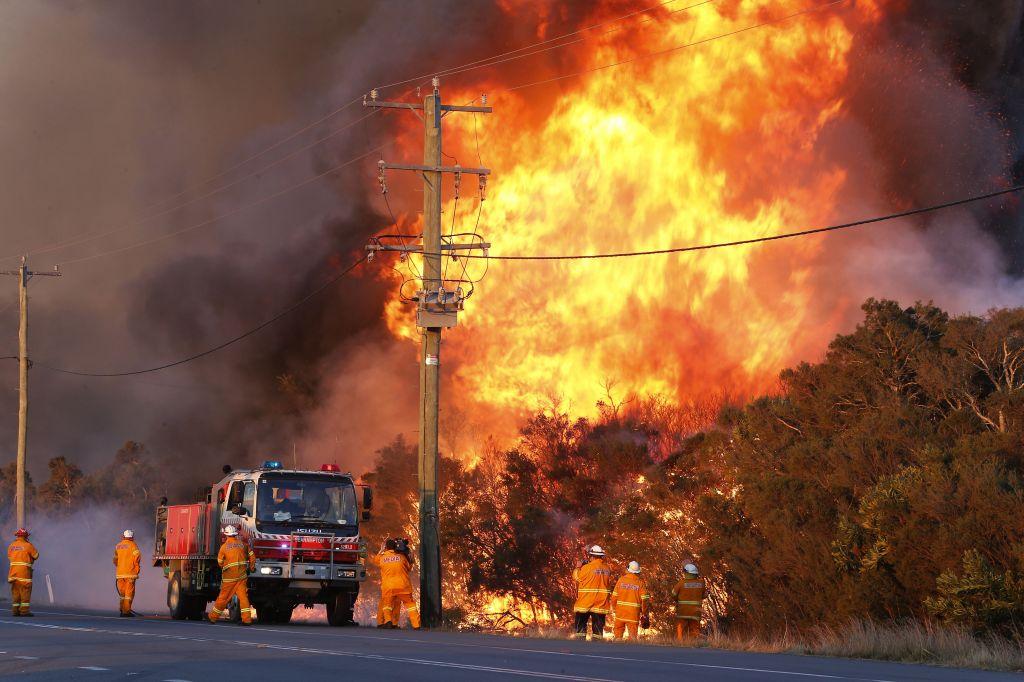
(910, 642)
(916, 642)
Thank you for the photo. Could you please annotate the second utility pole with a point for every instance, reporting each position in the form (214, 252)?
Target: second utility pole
(23, 274)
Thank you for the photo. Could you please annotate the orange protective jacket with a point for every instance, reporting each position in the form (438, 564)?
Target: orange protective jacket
(394, 572)
(235, 560)
(689, 594)
(593, 587)
(21, 554)
(127, 558)
(629, 598)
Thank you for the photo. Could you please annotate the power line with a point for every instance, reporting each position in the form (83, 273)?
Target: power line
(775, 237)
(84, 239)
(675, 48)
(233, 211)
(209, 351)
(480, 63)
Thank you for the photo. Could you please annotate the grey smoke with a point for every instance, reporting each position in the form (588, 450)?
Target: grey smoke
(110, 107)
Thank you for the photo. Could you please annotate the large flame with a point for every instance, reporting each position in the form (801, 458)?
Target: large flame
(715, 142)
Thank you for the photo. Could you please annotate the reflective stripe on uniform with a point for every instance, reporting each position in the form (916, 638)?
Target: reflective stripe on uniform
(122, 576)
(585, 590)
(237, 563)
(126, 598)
(591, 610)
(627, 603)
(232, 580)
(216, 610)
(20, 563)
(19, 580)
(689, 603)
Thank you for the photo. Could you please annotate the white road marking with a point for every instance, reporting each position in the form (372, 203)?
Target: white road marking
(325, 652)
(764, 671)
(598, 656)
(92, 667)
(28, 658)
(175, 679)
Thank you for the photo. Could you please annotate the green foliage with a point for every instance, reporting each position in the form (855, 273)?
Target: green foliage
(978, 597)
(857, 489)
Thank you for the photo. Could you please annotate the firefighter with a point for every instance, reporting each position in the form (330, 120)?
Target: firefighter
(236, 559)
(593, 589)
(689, 594)
(21, 554)
(127, 562)
(395, 586)
(630, 601)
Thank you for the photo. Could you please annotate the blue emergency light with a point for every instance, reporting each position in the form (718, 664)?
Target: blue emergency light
(272, 464)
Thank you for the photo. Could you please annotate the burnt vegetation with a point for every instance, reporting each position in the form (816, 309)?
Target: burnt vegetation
(883, 483)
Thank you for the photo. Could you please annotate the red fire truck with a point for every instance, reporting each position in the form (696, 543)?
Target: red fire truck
(303, 527)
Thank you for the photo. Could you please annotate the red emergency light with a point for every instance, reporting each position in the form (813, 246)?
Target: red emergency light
(330, 467)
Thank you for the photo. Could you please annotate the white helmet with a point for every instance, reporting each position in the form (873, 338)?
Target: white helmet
(129, 533)
(634, 567)
(230, 531)
(690, 568)
(596, 551)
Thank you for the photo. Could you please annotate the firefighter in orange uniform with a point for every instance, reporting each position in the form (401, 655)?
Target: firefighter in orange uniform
(689, 595)
(236, 559)
(127, 560)
(21, 554)
(629, 601)
(593, 594)
(395, 587)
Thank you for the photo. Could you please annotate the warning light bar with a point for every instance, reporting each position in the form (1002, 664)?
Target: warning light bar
(272, 464)
(330, 467)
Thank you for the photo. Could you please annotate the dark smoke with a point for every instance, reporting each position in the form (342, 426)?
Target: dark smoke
(113, 106)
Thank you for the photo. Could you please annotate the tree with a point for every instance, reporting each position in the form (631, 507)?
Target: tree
(59, 492)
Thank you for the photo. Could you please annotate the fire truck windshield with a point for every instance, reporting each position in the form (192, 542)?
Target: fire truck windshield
(306, 501)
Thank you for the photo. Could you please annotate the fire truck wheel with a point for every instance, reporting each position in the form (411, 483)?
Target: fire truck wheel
(177, 602)
(339, 609)
(274, 614)
(196, 608)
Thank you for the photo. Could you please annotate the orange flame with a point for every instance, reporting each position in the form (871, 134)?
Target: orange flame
(716, 142)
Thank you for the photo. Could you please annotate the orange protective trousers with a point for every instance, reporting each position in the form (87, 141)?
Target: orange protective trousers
(391, 607)
(228, 589)
(21, 595)
(625, 626)
(126, 590)
(687, 628)
(394, 605)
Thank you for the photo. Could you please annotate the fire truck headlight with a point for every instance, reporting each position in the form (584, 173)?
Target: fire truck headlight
(270, 570)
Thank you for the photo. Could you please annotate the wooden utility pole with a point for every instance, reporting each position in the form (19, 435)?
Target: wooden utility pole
(437, 308)
(23, 274)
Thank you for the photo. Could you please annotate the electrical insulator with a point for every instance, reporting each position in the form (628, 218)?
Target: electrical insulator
(373, 94)
(436, 82)
(483, 187)
(402, 255)
(418, 95)
(370, 255)
(458, 180)
(483, 99)
(380, 177)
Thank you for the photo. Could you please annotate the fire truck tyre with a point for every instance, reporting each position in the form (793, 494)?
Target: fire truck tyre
(177, 602)
(196, 608)
(339, 609)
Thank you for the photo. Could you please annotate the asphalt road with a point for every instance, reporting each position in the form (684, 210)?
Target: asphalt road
(69, 644)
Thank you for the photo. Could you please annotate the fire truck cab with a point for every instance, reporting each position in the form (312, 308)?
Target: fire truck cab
(303, 527)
